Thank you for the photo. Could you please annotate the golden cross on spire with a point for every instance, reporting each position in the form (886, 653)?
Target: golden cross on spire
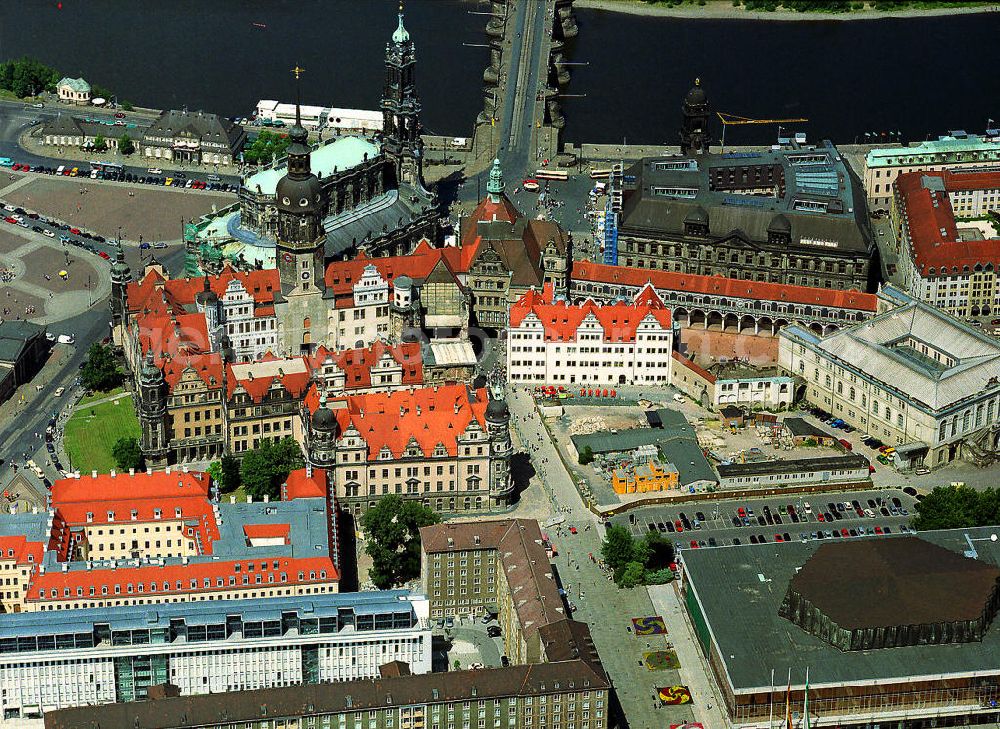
(297, 71)
(400, 5)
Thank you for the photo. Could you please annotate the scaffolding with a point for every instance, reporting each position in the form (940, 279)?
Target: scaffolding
(612, 210)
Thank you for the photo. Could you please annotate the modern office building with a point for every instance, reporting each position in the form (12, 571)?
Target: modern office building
(895, 631)
(99, 656)
(956, 151)
(912, 376)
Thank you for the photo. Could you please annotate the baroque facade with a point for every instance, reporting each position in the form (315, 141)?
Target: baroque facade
(371, 191)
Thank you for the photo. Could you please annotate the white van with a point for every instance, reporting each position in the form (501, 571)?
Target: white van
(66, 339)
(60, 169)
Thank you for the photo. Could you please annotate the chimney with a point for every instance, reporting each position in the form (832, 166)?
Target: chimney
(402, 412)
(93, 474)
(131, 472)
(149, 471)
(113, 474)
(168, 470)
(418, 413)
(456, 407)
(266, 498)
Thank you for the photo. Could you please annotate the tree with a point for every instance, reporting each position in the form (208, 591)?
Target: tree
(100, 372)
(956, 507)
(265, 147)
(225, 473)
(392, 530)
(268, 464)
(586, 456)
(633, 575)
(127, 106)
(125, 145)
(127, 454)
(27, 77)
(100, 143)
(618, 548)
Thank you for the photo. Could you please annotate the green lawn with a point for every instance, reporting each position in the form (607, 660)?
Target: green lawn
(90, 437)
(99, 396)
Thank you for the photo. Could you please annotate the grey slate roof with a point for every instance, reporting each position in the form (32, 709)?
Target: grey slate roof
(538, 679)
(14, 338)
(199, 125)
(799, 465)
(390, 211)
(829, 182)
(877, 347)
(741, 588)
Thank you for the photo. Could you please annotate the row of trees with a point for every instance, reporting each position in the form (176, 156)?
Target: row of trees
(25, 77)
(125, 144)
(635, 562)
(958, 507)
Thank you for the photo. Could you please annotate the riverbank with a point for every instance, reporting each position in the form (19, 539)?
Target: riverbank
(724, 10)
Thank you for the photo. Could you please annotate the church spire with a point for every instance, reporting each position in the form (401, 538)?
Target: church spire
(495, 185)
(401, 35)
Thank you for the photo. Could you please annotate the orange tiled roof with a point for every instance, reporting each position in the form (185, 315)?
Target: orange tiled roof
(357, 363)
(295, 383)
(299, 485)
(721, 286)
(180, 579)
(157, 294)
(186, 494)
(16, 547)
(341, 276)
(267, 531)
(428, 416)
(561, 320)
(935, 245)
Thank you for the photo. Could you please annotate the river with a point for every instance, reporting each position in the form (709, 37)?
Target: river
(208, 54)
(918, 76)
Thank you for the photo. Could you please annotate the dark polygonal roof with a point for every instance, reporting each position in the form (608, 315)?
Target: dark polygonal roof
(901, 581)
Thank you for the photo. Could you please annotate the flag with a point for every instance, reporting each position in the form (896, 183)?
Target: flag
(805, 703)
(788, 702)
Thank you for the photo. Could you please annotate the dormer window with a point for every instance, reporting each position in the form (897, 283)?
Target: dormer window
(177, 512)
(111, 516)
(157, 513)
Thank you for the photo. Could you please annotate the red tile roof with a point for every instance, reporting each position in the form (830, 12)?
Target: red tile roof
(299, 485)
(935, 246)
(486, 212)
(341, 276)
(721, 286)
(357, 363)
(257, 385)
(178, 342)
(267, 531)
(561, 320)
(73, 499)
(156, 294)
(181, 578)
(428, 415)
(17, 547)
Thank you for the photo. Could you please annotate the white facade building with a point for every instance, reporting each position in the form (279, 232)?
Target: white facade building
(954, 152)
(365, 320)
(554, 342)
(80, 657)
(912, 376)
(252, 330)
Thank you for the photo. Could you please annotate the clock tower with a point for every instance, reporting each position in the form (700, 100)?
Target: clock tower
(301, 242)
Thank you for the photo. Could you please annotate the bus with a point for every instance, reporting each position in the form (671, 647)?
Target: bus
(600, 174)
(106, 166)
(552, 175)
(6, 162)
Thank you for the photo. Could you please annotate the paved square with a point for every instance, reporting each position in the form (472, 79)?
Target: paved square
(9, 240)
(16, 304)
(47, 261)
(100, 207)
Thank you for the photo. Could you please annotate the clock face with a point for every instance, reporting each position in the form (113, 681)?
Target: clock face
(287, 257)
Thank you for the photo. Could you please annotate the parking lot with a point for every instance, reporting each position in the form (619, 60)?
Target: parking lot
(832, 515)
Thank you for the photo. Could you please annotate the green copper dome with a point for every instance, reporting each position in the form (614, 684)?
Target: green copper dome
(402, 35)
(495, 185)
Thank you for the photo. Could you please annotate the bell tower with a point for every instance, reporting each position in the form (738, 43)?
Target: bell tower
(301, 246)
(401, 108)
(121, 275)
(154, 443)
(299, 201)
(694, 122)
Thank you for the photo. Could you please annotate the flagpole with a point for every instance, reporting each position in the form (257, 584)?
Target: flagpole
(788, 701)
(805, 704)
(770, 714)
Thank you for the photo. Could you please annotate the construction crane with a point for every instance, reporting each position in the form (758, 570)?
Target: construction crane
(734, 120)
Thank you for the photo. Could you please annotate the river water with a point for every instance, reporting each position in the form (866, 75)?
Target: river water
(918, 76)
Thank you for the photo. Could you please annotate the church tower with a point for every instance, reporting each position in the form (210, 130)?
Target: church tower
(694, 123)
(322, 434)
(494, 186)
(153, 414)
(301, 241)
(401, 108)
(121, 276)
(498, 426)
